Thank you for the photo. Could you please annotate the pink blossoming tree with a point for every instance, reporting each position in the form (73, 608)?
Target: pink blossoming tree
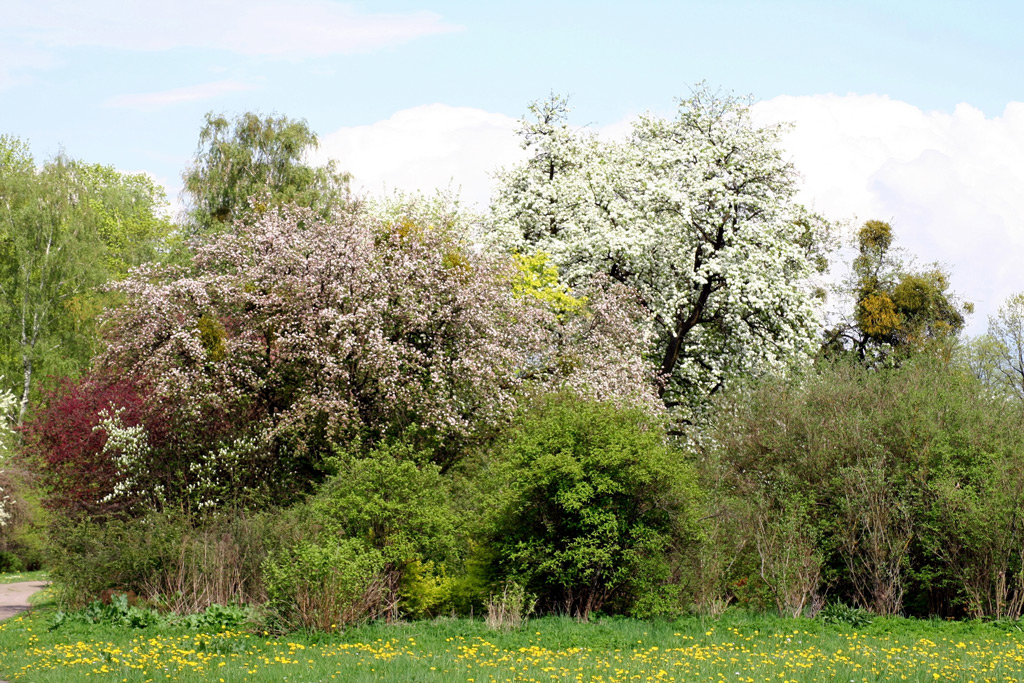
(294, 334)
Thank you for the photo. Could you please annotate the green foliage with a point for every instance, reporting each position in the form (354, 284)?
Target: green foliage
(119, 611)
(9, 562)
(167, 558)
(27, 537)
(395, 502)
(598, 505)
(787, 547)
(327, 584)
(911, 478)
(997, 358)
(874, 239)
(373, 542)
(392, 499)
(22, 517)
(258, 159)
(839, 614)
(218, 618)
(212, 336)
(537, 278)
(424, 590)
(66, 228)
(87, 558)
(973, 528)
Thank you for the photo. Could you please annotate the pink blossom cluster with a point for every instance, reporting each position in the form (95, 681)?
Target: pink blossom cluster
(381, 321)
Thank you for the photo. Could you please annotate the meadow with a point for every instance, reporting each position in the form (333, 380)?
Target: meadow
(738, 647)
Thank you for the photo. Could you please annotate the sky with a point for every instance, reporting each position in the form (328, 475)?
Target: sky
(910, 112)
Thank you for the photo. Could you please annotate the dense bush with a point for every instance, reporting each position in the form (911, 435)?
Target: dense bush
(599, 508)
(393, 500)
(908, 483)
(331, 583)
(173, 560)
(373, 536)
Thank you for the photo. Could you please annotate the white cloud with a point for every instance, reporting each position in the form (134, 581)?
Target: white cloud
(276, 28)
(425, 148)
(951, 183)
(156, 100)
(436, 147)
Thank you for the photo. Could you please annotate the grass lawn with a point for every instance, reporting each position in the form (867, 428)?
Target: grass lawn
(737, 649)
(16, 577)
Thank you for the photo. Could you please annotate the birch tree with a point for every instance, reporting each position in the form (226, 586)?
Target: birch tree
(256, 157)
(65, 229)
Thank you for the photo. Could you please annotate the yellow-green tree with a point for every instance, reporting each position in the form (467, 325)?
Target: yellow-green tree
(895, 308)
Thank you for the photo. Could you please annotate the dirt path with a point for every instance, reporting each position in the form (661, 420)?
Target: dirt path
(14, 596)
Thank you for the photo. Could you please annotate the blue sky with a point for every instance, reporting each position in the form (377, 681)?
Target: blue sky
(906, 111)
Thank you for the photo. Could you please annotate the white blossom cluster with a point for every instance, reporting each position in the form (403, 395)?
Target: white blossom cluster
(211, 481)
(696, 214)
(128, 448)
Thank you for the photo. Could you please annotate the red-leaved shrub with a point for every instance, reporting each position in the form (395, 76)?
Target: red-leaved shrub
(62, 439)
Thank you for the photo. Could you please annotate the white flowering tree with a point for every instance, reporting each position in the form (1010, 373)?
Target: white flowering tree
(696, 214)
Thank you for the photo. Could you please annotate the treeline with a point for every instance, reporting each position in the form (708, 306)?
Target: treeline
(613, 393)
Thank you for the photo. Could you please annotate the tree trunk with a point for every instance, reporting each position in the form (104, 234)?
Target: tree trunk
(26, 387)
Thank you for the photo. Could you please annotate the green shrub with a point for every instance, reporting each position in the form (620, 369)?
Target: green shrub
(171, 559)
(839, 614)
(425, 590)
(326, 585)
(910, 479)
(9, 562)
(87, 558)
(396, 503)
(599, 507)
